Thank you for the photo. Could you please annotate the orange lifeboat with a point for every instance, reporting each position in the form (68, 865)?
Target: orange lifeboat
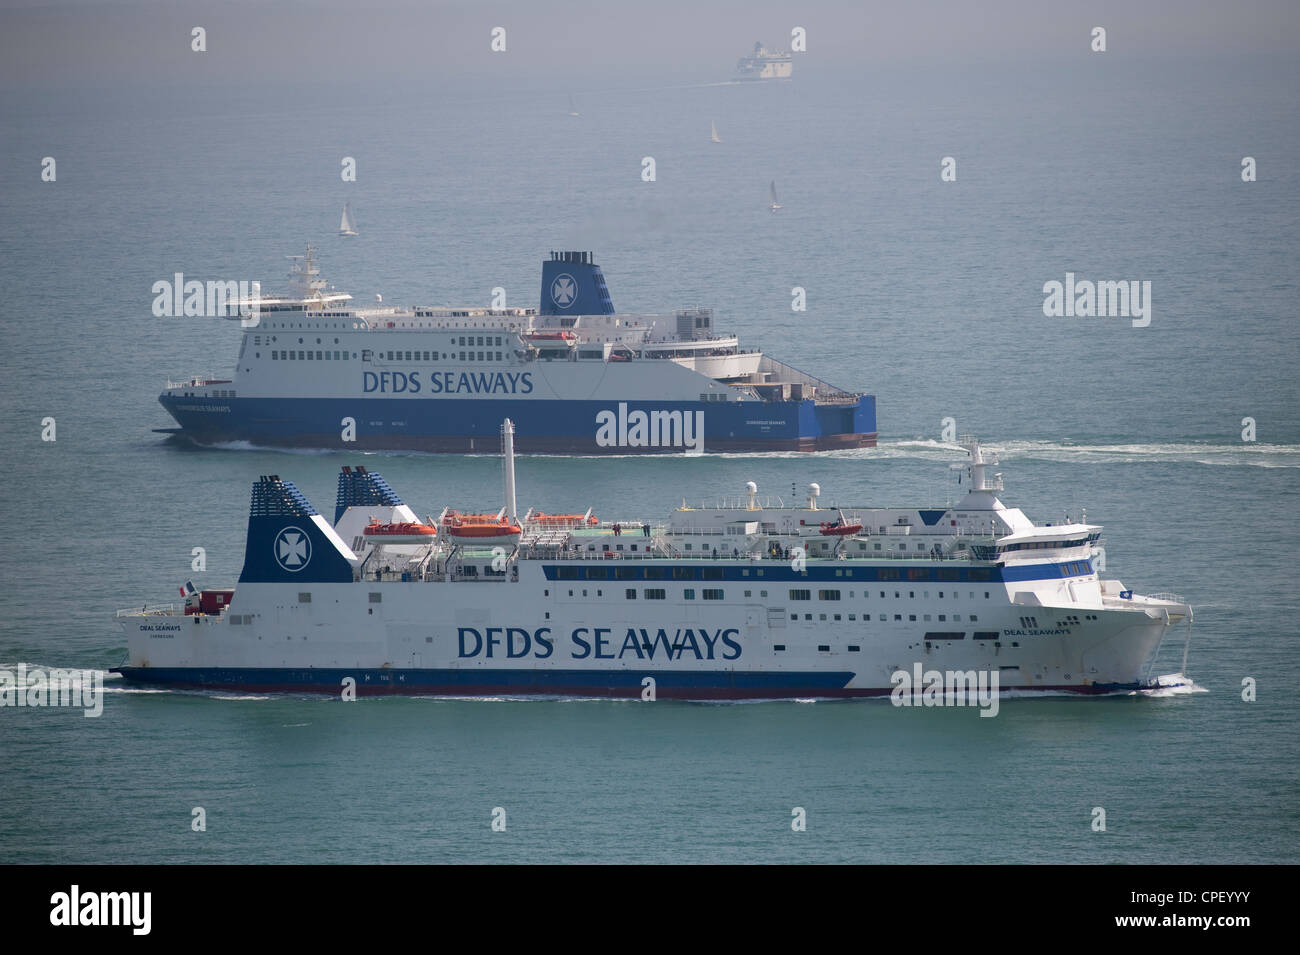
(551, 336)
(405, 532)
(482, 530)
(840, 529)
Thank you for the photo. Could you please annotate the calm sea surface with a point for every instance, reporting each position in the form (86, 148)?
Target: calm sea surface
(927, 294)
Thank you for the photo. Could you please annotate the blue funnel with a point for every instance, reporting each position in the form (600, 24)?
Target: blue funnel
(572, 284)
(288, 541)
(360, 488)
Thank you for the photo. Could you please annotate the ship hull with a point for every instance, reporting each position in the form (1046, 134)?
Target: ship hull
(557, 426)
(598, 684)
(493, 638)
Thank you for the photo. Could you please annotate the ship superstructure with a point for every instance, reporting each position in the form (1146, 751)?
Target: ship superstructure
(576, 376)
(744, 599)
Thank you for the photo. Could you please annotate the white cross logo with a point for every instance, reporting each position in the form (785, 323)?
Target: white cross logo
(292, 549)
(564, 290)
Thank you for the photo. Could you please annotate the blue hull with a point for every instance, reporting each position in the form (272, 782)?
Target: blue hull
(541, 426)
(677, 684)
(614, 684)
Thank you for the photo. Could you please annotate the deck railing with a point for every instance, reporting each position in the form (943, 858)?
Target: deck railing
(151, 610)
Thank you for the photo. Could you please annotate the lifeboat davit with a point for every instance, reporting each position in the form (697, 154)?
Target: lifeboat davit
(482, 530)
(840, 529)
(405, 532)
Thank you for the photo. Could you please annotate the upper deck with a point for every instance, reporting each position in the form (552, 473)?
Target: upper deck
(575, 323)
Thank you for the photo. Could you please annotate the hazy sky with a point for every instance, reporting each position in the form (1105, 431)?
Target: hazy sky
(60, 45)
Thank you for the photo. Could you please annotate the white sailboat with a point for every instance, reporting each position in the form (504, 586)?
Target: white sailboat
(573, 110)
(774, 204)
(716, 137)
(347, 226)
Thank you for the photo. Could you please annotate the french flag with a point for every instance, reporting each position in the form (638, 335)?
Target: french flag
(188, 589)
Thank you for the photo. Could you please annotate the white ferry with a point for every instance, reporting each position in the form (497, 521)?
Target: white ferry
(765, 64)
(750, 599)
(577, 377)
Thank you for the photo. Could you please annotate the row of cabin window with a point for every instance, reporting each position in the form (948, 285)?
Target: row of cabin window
(439, 356)
(483, 341)
(1042, 545)
(658, 593)
(638, 573)
(884, 617)
(835, 594)
(977, 574)
(310, 356)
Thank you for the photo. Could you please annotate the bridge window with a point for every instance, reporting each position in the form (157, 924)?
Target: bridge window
(712, 594)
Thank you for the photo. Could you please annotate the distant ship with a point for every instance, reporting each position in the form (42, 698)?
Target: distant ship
(579, 378)
(347, 226)
(773, 204)
(765, 64)
(743, 599)
(716, 137)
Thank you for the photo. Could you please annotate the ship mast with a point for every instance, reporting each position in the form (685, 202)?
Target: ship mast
(508, 467)
(979, 460)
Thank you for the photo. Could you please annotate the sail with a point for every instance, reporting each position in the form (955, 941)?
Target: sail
(716, 139)
(346, 226)
(773, 190)
(573, 110)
